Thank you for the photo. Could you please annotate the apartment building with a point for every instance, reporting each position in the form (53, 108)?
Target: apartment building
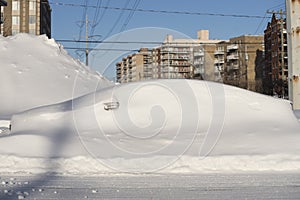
(175, 59)
(189, 58)
(136, 67)
(220, 58)
(275, 71)
(156, 63)
(2, 3)
(238, 61)
(26, 16)
(244, 62)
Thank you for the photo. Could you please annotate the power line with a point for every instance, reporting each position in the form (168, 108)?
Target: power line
(82, 22)
(260, 24)
(136, 50)
(136, 4)
(103, 13)
(282, 5)
(159, 11)
(149, 42)
(118, 19)
(101, 49)
(96, 16)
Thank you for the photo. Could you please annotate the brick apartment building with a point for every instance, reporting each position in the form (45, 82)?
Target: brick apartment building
(244, 62)
(275, 71)
(26, 16)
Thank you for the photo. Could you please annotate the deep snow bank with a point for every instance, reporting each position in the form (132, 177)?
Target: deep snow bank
(37, 71)
(164, 125)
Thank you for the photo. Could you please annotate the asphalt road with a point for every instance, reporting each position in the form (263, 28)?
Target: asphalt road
(206, 186)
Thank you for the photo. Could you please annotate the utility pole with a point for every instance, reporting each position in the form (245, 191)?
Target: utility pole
(293, 30)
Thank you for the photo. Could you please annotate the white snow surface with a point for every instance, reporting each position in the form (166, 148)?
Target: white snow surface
(159, 126)
(37, 71)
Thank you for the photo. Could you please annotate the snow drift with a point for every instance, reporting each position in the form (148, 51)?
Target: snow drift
(168, 126)
(163, 126)
(37, 71)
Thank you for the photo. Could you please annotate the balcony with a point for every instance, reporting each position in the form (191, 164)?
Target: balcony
(219, 61)
(233, 57)
(232, 47)
(233, 67)
(198, 62)
(147, 70)
(199, 54)
(184, 69)
(173, 57)
(169, 70)
(217, 52)
(175, 64)
(219, 69)
(199, 71)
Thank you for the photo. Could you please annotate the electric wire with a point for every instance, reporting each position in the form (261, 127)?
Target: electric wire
(96, 16)
(159, 11)
(150, 42)
(83, 18)
(261, 23)
(137, 50)
(118, 19)
(136, 4)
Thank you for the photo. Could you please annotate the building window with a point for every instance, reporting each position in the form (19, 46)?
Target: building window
(32, 5)
(15, 5)
(32, 19)
(15, 20)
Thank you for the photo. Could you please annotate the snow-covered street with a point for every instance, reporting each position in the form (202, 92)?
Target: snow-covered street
(205, 186)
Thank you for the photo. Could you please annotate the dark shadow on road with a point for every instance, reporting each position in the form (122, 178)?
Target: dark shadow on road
(58, 138)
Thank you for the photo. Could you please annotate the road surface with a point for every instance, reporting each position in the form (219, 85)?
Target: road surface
(206, 186)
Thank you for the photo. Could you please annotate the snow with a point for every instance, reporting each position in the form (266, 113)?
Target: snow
(37, 71)
(159, 126)
(4, 126)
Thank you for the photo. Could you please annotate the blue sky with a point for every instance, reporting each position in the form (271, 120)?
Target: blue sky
(66, 20)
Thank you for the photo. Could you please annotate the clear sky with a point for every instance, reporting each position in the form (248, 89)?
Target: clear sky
(67, 19)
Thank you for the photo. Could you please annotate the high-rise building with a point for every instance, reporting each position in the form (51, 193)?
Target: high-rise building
(174, 59)
(26, 16)
(189, 58)
(238, 61)
(220, 58)
(136, 67)
(244, 62)
(275, 71)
